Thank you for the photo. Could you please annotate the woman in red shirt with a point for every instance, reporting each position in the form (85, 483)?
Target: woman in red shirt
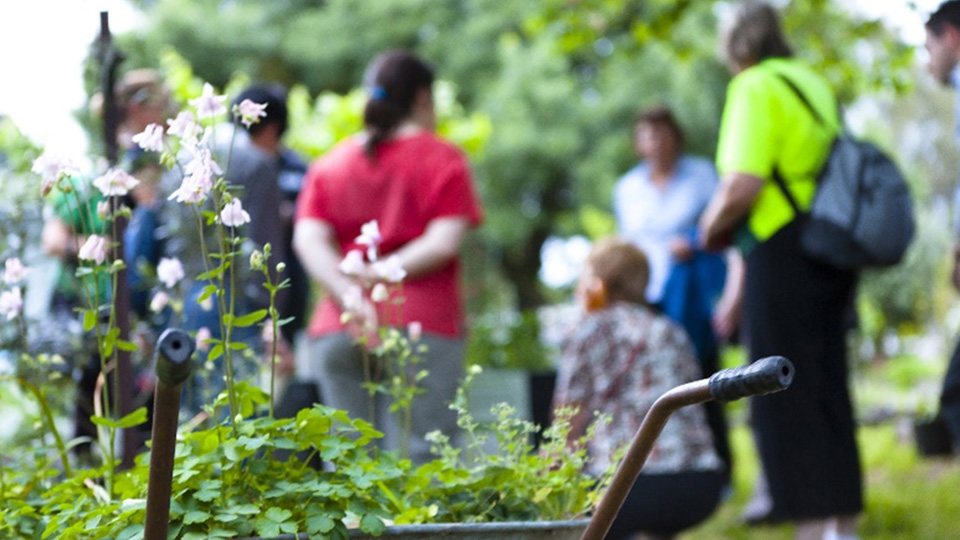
(418, 188)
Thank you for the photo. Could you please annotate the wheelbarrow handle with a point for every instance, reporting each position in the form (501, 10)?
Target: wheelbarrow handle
(174, 349)
(765, 376)
(771, 374)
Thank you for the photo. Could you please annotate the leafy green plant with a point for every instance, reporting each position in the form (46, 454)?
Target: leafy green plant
(242, 480)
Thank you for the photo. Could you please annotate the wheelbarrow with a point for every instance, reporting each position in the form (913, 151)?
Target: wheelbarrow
(174, 349)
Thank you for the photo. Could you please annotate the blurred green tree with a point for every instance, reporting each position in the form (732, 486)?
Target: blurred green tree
(559, 81)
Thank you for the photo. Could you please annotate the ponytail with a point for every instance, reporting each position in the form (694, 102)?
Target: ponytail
(393, 80)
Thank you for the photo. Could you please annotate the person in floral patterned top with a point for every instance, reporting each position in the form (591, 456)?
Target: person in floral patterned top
(618, 361)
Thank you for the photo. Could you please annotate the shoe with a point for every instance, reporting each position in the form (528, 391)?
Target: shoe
(758, 510)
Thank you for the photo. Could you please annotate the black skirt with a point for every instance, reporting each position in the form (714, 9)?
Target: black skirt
(801, 309)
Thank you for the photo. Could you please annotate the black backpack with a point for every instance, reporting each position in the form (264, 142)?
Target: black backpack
(862, 212)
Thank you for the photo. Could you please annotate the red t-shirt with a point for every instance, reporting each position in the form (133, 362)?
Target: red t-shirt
(413, 180)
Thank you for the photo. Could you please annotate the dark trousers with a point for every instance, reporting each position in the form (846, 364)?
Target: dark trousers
(950, 398)
(666, 504)
(797, 308)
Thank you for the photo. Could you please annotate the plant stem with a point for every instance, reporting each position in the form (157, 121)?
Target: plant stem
(48, 419)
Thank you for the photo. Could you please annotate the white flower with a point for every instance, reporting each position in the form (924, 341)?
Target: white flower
(370, 234)
(186, 128)
(193, 190)
(115, 182)
(370, 237)
(103, 209)
(415, 330)
(206, 304)
(151, 138)
(202, 161)
(233, 214)
(159, 301)
(51, 168)
(14, 271)
(203, 339)
(379, 293)
(209, 105)
(249, 112)
(353, 299)
(198, 181)
(169, 271)
(94, 249)
(390, 269)
(11, 302)
(352, 264)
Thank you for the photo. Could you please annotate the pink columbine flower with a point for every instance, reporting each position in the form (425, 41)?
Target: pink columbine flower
(203, 339)
(159, 301)
(14, 271)
(94, 249)
(352, 264)
(169, 271)
(115, 182)
(151, 138)
(415, 331)
(233, 214)
(11, 302)
(185, 127)
(390, 269)
(51, 168)
(249, 112)
(103, 209)
(379, 293)
(209, 105)
(370, 234)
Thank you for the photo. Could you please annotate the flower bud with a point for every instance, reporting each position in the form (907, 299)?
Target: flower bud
(379, 293)
(256, 260)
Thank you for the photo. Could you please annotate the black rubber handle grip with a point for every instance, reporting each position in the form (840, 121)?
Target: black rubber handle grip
(765, 376)
(174, 349)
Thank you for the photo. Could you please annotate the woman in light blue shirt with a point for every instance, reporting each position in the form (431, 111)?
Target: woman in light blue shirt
(657, 205)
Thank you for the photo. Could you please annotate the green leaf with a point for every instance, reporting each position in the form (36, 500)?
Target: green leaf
(196, 516)
(89, 320)
(127, 346)
(371, 524)
(206, 293)
(267, 528)
(215, 352)
(278, 515)
(250, 318)
(320, 524)
(135, 418)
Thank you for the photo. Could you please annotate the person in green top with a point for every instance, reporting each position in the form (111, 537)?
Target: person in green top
(792, 305)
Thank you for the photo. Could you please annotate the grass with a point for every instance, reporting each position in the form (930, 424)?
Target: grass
(908, 497)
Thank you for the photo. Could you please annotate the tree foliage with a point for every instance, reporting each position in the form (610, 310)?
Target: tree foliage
(559, 81)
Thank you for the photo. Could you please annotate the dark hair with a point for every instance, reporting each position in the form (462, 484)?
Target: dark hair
(947, 14)
(754, 35)
(622, 268)
(275, 96)
(393, 79)
(661, 115)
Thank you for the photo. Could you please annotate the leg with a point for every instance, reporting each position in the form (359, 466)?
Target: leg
(811, 529)
(431, 409)
(662, 505)
(337, 366)
(950, 398)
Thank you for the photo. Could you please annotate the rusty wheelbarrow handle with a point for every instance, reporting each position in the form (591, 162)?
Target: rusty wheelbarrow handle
(764, 376)
(174, 349)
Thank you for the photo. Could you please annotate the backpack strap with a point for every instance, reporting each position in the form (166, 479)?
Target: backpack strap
(777, 178)
(803, 98)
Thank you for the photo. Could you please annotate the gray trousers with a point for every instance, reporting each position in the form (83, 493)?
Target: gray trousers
(336, 363)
